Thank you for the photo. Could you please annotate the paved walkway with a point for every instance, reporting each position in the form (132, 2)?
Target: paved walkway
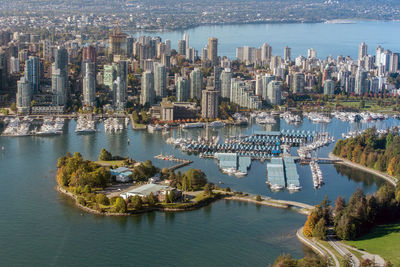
(343, 251)
(379, 261)
(318, 247)
(346, 162)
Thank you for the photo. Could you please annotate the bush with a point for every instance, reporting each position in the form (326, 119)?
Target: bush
(258, 198)
(105, 155)
(102, 199)
(120, 205)
(81, 201)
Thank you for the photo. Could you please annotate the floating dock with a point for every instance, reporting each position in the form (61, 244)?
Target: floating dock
(281, 173)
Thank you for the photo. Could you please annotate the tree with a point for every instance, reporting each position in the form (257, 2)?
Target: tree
(258, 198)
(208, 190)
(13, 107)
(120, 205)
(320, 229)
(105, 155)
(171, 196)
(309, 225)
(151, 199)
(102, 199)
(136, 202)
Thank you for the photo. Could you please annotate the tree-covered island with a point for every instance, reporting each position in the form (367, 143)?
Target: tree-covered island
(96, 186)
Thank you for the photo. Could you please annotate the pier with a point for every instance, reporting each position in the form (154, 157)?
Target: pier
(182, 162)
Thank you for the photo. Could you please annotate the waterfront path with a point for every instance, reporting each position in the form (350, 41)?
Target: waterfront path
(318, 247)
(346, 162)
(343, 251)
(267, 201)
(378, 260)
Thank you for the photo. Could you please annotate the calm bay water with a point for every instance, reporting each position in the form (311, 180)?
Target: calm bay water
(38, 226)
(49, 229)
(326, 39)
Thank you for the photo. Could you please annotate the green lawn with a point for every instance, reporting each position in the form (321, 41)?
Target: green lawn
(383, 240)
(119, 163)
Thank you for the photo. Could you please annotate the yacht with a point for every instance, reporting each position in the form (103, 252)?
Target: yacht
(152, 128)
(293, 187)
(192, 125)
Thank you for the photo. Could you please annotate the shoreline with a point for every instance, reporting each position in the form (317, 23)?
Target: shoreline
(392, 180)
(301, 208)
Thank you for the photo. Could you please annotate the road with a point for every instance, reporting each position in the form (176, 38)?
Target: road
(338, 246)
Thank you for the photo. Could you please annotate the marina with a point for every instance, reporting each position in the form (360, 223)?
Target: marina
(282, 173)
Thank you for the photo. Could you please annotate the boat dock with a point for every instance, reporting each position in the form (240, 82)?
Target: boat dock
(232, 163)
(182, 162)
(281, 173)
(275, 174)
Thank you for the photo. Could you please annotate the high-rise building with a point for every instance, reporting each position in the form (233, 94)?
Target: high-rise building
(204, 54)
(147, 93)
(61, 63)
(259, 86)
(361, 82)
(119, 93)
(160, 80)
(243, 95)
(266, 52)
(182, 89)
(58, 88)
(287, 54)
(110, 75)
(196, 83)
(14, 65)
(186, 38)
(3, 70)
(297, 83)
(274, 92)
(394, 63)
(89, 85)
(182, 47)
(217, 78)
(118, 43)
(265, 80)
(379, 52)
(311, 53)
(362, 50)
(89, 54)
(209, 103)
(329, 87)
(32, 73)
(226, 77)
(24, 95)
(129, 45)
(213, 50)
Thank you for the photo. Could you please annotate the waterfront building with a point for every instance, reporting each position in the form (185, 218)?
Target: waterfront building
(160, 80)
(32, 73)
(58, 88)
(374, 85)
(361, 82)
(209, 103)
(24, 95)
(147, 93)
(287, 54)
(226, 77)
(213, 50)
(274, 92)
(297, 85)
(89, 85)
(329, 87)
(196, 83)
(182, 89)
